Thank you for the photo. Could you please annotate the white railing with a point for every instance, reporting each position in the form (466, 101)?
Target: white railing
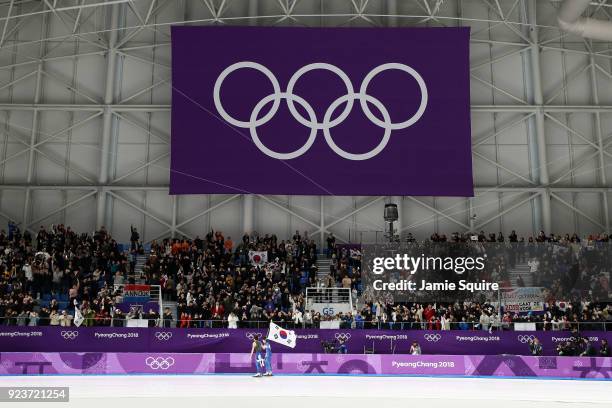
(155, 295)
(329, 301)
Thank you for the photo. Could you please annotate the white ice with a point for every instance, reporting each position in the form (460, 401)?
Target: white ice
(222, 391)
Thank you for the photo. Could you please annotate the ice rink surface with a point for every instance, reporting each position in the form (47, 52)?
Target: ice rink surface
(224, 391)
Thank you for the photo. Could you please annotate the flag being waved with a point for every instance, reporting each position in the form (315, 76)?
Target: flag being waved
(282, 336)
(258, 257)
(78, 316)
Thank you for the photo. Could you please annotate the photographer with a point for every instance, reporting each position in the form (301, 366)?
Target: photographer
(329, 347)
(588, 349)
(535, 347)
(604, 349)
(566, 349)
(342, 349)
(415, 349)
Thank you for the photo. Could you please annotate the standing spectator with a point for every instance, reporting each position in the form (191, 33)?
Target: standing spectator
(228, 245)
(54, 318)
(134, 238)
(232, 321)
(167, 318)
(331, 244)
(346, 282)
(118, 318)
(12, 227)
(534, 266)
(152, 318)
(73, 293)
(297, 318)
(33, 319)
(27, 270)
(218, 311)
(308, 319)
(485, 320)
(65, 319)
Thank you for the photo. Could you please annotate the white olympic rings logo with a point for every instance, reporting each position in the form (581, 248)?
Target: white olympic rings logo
(69, 335)
(311, 122)
(251, 336)
(163, 336)
(159, 363)
(432, 337)
(342, 336)
(524, 338)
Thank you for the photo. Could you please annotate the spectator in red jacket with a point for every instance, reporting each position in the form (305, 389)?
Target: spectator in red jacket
(428, 313)
(218, 311)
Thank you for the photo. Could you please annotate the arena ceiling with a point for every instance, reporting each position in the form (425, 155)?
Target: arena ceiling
(85, 125)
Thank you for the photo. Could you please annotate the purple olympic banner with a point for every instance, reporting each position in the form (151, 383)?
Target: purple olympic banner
(306, 364)
(321, 111)
(118, 339)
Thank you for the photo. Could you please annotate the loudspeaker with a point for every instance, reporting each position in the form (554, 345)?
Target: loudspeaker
(391, 212)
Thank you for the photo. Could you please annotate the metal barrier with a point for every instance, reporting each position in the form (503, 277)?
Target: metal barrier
(262, 324)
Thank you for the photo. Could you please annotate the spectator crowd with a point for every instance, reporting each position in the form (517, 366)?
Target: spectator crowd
(217, 282)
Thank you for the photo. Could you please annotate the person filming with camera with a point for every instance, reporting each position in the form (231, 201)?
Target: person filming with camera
(535, 347)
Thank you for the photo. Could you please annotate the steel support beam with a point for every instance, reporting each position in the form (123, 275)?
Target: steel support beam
(350, 214)
(577, 210)
(248, 213)
(538, 99)
(399, 201)
(289, 211)
(165, 188)
(62, 208)
(600, 148)
(35, 125)
(502, 213)
(435, 211)
(322, 222)
(107, 120)
(174, 199)
(390, 7)
(248, 199)
(208, 210)
(471, 214)
(253, 12)
(475, 108)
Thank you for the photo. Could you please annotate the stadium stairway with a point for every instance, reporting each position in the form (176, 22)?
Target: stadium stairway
(172, 305)
(521, 270)
(138, 274)
(323, 264)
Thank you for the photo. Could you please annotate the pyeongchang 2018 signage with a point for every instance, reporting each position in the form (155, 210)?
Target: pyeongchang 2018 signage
(322, 111)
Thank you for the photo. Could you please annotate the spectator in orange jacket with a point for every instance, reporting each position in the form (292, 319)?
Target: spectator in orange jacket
(228, 245)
